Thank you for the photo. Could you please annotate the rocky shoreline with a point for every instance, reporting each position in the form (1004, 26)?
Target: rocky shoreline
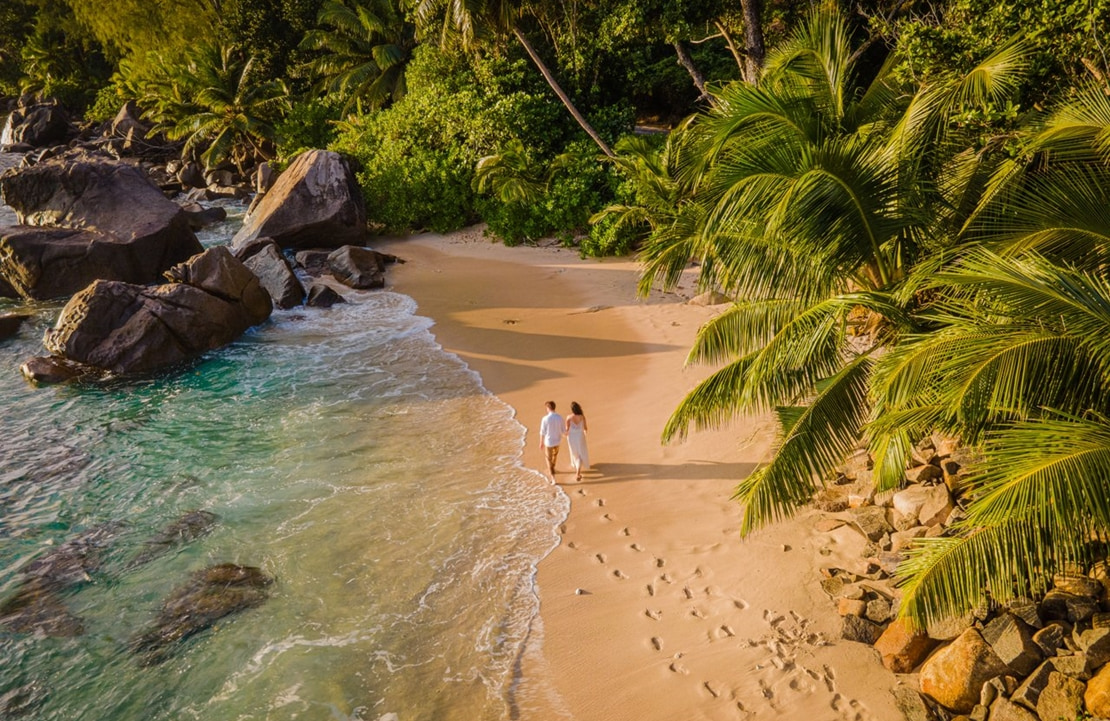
(106, 221)
(1041, 659)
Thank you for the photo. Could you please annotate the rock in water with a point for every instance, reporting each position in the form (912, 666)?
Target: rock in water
(208, 596)
(35, 125)
(356, 267)
(315, 203)
(264, 258)
(125, 328)
(188, 527)
(37, 606)
(84, 221)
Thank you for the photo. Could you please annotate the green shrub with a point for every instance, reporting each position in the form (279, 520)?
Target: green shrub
(417, 157)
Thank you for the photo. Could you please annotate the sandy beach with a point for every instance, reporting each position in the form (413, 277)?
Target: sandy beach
(652, 606)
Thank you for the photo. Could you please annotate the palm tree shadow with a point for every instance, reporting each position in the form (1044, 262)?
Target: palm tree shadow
(601, 473)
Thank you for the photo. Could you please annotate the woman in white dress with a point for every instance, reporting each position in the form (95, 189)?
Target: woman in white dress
(576, 440)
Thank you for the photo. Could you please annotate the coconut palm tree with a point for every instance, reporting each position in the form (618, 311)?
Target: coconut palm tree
(1018, 359)
(468, 22)
(226, 112)
(362, 52)
(819, 190)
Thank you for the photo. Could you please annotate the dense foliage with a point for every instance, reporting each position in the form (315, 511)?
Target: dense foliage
(905, 202)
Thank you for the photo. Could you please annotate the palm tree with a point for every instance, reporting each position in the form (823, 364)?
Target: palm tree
(364, 53)
(819, 190)
(226, 112)
(1018, 359)
(470, 21)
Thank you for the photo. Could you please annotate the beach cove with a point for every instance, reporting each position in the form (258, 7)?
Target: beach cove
(651, 606)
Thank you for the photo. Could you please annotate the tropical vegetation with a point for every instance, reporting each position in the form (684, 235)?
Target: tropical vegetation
(905, 204)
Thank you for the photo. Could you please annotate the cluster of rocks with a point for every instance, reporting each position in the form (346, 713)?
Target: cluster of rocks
(42, 129)
(1030, 660)
(38, 605)
(102, 234)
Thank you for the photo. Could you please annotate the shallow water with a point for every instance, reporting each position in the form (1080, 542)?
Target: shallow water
(346, 455)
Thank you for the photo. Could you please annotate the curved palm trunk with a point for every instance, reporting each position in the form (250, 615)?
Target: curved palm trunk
(562, 95)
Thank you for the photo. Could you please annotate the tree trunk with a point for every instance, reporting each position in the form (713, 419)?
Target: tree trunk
(559, 91)
(753, 39)
(687, 62)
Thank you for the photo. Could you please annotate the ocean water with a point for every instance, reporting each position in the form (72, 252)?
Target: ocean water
(346, 455)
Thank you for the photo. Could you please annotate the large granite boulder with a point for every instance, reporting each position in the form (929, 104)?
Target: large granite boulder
(207, 596)
(125, 328)
(84, 221)
(315, 203)
(954, 675)
(35, 125)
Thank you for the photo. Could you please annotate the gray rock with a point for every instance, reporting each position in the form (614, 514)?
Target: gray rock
(1076, 665)
(1050, 638)
(878, 610)
(125, 328)
(1062, 698)
(1030, 689)
(860, 630)
(1095, 645)
(51, 370)
(275, 273)
(35, 125)
(910, 703)
(871, 521)
(322, 296)
(84, 221)
(315, 203)
(1026, 610)
(356, 267)
(1004, 710)
(948, 629)
(1061, 605)
(1012, 641)
(313, 262)
(208, 596)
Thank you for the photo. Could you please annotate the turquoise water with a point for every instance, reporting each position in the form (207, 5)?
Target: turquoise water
(347, 456)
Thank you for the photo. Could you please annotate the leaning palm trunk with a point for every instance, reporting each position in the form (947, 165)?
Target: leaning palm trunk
(585, 124)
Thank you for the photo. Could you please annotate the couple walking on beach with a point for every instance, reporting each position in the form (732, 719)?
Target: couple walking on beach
(552, 429)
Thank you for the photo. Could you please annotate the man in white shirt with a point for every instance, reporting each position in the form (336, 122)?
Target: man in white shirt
(551, 435)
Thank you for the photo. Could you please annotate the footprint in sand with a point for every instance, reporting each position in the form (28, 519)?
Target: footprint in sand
(653, 615)
(687, 592)
(650, 589)
(765, 689)
(582, 492)
(659, 563)
(600, 502)
(637, 547)
(618, 574)
(697, 613)
(572, 545)
(741, 604)
(676, 666)
(606, 517)
(562, 528)
(600, 557)
(657, 643)
(725, 631)
(666, 578)
(712, 691)
(626, 531)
